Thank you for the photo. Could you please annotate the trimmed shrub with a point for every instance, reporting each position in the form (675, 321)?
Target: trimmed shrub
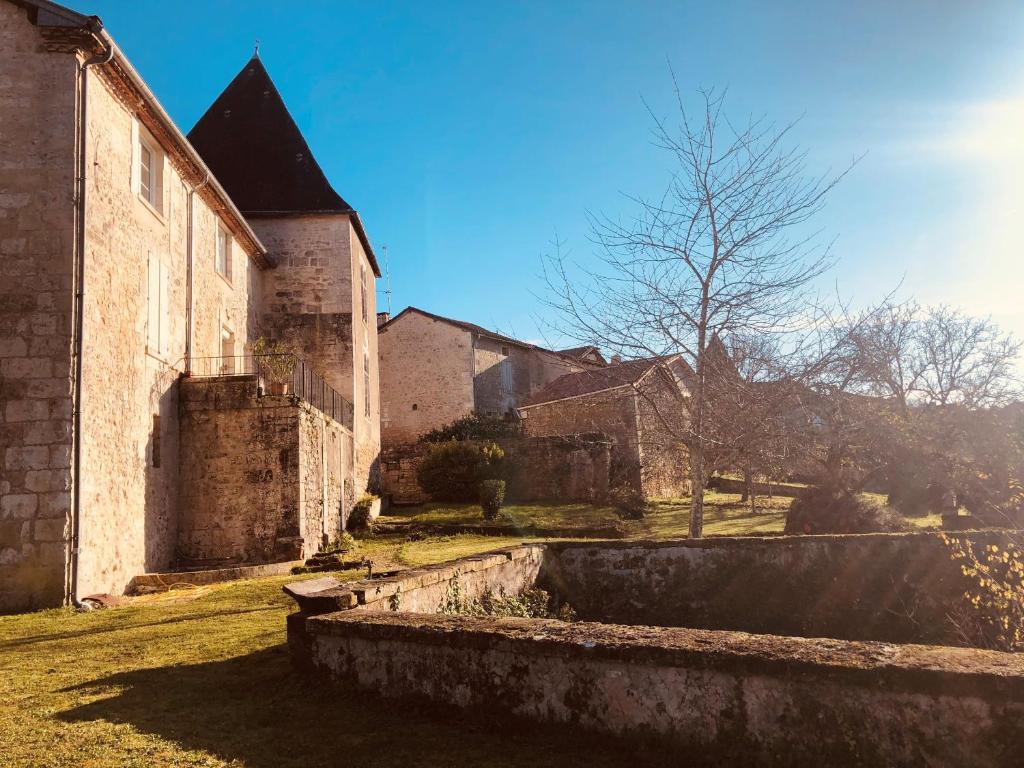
(472, 427)
(359, 518)
(821, 509)
(628, 502)
(492, 496)
(453, 471)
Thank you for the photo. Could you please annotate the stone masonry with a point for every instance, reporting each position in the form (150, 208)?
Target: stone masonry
(151, 283)
(37, 106)
(262, 477)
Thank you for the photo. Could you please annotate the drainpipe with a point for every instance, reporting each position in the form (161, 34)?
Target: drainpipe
(71, 580)
(190, 247)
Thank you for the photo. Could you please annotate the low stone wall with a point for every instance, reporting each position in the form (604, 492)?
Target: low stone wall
(512, 569)
(737, 485)
(892, 587)
(723, 698)
(708, 696)
(573, 468)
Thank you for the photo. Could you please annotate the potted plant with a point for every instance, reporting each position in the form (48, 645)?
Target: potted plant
(274, 360)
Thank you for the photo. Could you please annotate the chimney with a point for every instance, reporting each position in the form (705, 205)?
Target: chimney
(382, 317)
(616, 359)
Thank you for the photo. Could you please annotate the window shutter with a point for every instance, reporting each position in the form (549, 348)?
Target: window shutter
(136, 159)
(153, 303)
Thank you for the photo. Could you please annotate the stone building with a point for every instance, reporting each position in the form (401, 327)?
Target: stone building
(637, 404)
(137, 269)
(434, 370)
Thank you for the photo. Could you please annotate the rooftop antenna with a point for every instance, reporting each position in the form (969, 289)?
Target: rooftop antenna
(387, 278)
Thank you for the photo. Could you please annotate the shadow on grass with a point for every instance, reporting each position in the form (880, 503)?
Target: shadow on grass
(128, 626)
(257, 710)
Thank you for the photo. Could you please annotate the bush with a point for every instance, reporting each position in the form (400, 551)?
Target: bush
(991, 612)
(629, 503)
(492, 496)
(344, 543)
(359, 518)
(822, 509)
(453, 471)
(472, 427)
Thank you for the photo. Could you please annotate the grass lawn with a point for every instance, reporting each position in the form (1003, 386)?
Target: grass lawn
(200, 677)
(724, 515)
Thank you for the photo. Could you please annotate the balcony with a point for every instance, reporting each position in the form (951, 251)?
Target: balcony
(280, 375)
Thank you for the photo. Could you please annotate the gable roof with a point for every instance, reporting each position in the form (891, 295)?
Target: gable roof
(581, 353)
(582, 383)
(474, 328)
(256, 150)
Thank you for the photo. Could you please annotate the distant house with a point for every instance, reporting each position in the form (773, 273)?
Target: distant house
(638, 403)
(434, 370)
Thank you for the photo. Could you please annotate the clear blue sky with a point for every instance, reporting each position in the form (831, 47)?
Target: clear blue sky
(468, 133)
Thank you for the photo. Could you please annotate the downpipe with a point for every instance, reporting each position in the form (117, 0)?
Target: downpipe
(72, 554)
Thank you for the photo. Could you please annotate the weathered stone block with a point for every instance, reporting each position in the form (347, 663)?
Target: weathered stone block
(27, 457)
(54, 504)
(26, 410)
(50, 529)
(48, 480)
(18, 505)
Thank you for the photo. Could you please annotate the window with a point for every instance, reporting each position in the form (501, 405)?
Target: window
(158, 323)
(149, 168)
(366, 383)
(415, 406)
(362, 290)
(223, 262)
(504, 350)
(227, 350)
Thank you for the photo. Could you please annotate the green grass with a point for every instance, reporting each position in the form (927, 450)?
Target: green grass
(724, 515)
(200, 677)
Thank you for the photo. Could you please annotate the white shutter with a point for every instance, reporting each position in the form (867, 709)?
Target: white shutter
(136, 159)
(165, 313)
(153, 303)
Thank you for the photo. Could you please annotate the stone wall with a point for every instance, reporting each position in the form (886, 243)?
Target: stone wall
(891, 587)
(312, 303)
(262, 477)
(561, 469)
(611, 413)
(37, 172)
(426, 376)
(711, 698)
(506, 374)
(649, 453)
(130, 431)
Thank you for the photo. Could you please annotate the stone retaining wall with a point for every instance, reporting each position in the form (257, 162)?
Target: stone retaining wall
(710, 696)
(262, 477)
(715, 698)
(892, 587)
(573, 468)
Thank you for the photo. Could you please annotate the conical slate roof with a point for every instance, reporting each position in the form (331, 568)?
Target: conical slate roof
(256, 151)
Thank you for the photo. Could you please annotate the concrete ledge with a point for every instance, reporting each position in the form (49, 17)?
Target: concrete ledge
(422, 589)
(727, 698)
(159, 582)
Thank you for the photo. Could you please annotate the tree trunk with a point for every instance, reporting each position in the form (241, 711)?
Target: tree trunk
(697, 502)
(748, 485)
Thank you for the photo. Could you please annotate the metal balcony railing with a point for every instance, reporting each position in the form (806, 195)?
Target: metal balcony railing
(280, 375)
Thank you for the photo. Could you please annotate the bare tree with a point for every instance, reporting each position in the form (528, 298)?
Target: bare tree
(936, 356)
(721, 251)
